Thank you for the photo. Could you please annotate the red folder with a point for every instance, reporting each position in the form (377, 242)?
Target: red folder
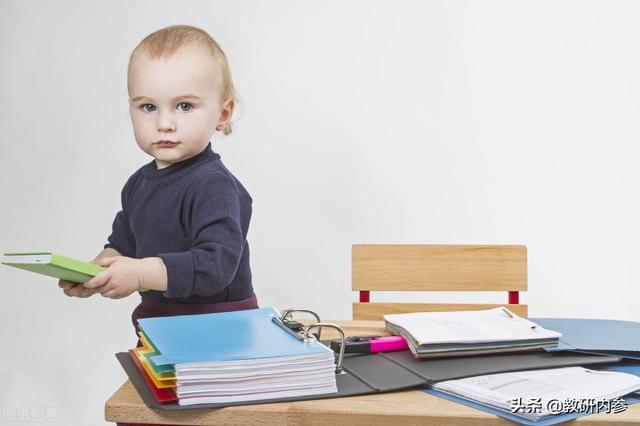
(162, 395)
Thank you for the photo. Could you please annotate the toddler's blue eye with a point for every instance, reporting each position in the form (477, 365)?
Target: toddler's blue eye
(185, 106)
(148, 107)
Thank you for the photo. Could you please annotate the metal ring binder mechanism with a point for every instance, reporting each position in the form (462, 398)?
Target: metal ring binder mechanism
(300, 332)
(287, 319)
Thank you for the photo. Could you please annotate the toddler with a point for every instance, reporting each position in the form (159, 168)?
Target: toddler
(181, 236)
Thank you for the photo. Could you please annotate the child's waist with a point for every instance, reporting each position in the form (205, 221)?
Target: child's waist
(153, 308)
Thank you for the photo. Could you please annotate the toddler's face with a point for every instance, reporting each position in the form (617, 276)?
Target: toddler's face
(175, 104)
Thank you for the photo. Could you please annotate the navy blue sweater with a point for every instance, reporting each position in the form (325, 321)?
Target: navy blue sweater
(195, 216)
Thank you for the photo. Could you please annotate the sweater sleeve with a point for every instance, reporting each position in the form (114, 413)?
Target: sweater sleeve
(121, 238)
(212, 218)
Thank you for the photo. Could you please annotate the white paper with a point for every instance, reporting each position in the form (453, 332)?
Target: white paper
(492, 325)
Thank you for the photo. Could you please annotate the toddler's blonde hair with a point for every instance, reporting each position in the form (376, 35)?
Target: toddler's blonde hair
(166, 41)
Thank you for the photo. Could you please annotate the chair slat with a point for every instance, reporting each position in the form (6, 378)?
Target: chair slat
(375, 311)
(394, 267)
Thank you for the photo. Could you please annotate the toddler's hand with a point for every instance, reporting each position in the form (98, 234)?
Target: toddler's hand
(75, 289)
(122, 277)
(72, 289)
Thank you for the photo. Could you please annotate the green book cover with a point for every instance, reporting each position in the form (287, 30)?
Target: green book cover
(53, 265)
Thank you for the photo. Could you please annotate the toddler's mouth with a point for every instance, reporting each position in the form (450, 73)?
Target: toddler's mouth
(166, 144)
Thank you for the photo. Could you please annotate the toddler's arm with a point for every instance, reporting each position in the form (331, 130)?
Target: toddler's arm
(75, 290)
(217, 221)
(213, 216)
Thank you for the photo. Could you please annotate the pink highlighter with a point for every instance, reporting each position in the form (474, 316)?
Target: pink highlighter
(370, 344)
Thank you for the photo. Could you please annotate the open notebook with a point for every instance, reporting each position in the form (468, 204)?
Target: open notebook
(434, 334)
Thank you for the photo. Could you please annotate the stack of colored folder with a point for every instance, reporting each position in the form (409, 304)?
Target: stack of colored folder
(230, 357)
(437, 334)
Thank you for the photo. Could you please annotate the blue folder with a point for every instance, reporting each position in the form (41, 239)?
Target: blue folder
(224, 336)
(560, 418)
(599, 336)
(624, 366)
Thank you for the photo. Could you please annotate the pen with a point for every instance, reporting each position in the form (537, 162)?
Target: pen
(370, 344)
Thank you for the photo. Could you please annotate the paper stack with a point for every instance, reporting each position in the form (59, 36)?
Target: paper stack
(436, 334)
(231, 357)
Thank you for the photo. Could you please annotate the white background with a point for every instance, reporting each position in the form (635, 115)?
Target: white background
(494, 122)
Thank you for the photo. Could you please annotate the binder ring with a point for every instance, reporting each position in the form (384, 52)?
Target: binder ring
(287, 315)
(309, 335)
(288, 312)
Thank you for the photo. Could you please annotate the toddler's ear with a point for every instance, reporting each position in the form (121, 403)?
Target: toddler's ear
(226, 112)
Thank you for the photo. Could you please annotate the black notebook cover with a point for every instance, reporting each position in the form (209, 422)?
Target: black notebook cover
(393, 371)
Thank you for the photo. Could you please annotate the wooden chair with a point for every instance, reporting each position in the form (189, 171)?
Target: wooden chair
(383, 267)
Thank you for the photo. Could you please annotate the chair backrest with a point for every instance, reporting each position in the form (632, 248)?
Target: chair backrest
(400, 267)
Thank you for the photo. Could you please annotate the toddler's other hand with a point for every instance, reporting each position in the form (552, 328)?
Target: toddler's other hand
(75, 289)
(121, 278)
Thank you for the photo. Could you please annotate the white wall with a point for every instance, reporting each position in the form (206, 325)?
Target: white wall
(499, 122)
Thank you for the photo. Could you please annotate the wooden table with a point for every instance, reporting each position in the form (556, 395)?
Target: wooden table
(396, 408)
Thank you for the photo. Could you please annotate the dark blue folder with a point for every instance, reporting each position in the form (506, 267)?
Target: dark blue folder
(611, 337)
(554, 420)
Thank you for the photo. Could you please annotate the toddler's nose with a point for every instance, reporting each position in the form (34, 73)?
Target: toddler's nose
(166, 123)
(166, 127)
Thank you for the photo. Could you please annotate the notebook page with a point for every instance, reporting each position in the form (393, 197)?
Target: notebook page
(492, 325)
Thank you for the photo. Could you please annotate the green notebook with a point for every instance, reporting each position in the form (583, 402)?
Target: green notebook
(53, 265)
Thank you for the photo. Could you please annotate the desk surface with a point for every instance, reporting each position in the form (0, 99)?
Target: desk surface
(406, 408)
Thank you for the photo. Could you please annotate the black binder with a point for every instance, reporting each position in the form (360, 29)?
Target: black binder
(361, 374)
(393, 371)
